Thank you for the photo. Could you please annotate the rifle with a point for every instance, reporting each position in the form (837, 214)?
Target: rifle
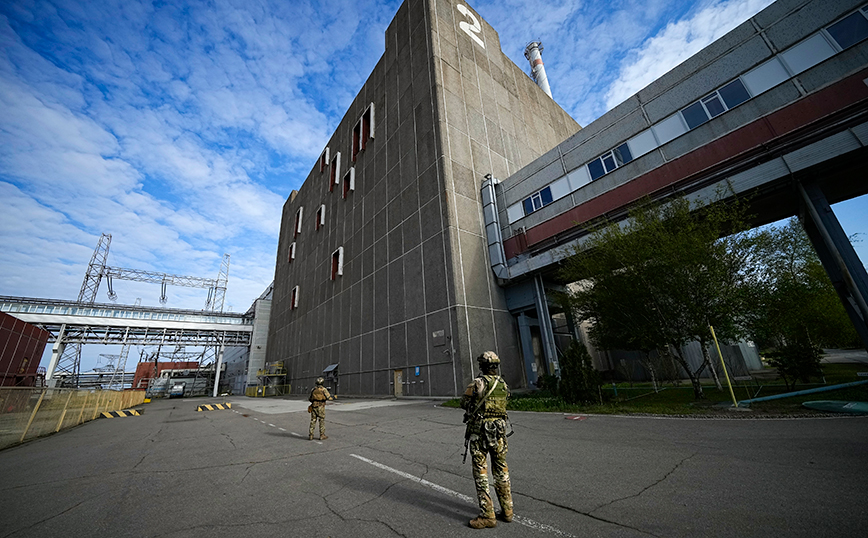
(472, 416)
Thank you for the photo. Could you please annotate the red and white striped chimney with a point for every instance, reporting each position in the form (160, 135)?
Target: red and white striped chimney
(538, 71)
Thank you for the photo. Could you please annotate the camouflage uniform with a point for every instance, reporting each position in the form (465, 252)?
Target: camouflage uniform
(488, 438)
(318, 397)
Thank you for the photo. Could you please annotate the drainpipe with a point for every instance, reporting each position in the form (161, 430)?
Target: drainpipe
(492, 228)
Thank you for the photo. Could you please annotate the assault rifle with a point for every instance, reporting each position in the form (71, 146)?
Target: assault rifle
(473, 416)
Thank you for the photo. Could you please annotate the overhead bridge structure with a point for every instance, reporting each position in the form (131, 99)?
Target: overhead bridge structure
(73, 322)
(775, 112)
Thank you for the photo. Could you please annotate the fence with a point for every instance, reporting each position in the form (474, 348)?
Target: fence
(28, 413)
(261, 391)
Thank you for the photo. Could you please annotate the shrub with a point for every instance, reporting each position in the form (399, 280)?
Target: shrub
(579, 382)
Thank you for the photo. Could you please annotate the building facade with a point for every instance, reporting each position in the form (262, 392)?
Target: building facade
(382, 265)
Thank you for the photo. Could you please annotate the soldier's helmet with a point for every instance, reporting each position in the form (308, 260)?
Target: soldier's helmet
(489, 357)
(320, 381)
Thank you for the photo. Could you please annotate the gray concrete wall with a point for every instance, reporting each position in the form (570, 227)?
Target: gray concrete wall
(416, 289)
(492, 119)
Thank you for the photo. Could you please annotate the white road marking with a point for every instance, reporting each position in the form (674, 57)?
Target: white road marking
(281, 429)
(272, 425)
(519, 519)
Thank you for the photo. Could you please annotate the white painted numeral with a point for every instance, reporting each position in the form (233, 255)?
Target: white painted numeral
(471, 29)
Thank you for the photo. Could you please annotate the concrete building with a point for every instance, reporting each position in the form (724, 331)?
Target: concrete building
(381, 265)
(399, 262)
(775, 111)
(243, 363)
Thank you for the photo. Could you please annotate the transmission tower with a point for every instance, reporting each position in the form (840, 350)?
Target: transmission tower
(69, 362)
(70, 359)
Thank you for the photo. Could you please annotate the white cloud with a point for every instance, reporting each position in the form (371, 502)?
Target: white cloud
(678, 41)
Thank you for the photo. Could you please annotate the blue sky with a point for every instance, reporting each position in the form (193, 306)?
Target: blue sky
(181, 127)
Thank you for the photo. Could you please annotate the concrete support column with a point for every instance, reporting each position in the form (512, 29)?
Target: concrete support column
(56, 352)
(837, 255)
(545, 325)
(526, 338)
(219, 366)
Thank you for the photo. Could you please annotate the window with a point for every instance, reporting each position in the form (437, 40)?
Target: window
(335, 171)
(849, 30)
(734, 94)
(323, 160)
(293, 299)
(298, 215)
(320, 217)
(363, 131)
(694, 115)
(609, 161)
(715, 104)
(291, 255)
(338, 263)
(537, 200)
(349, 181)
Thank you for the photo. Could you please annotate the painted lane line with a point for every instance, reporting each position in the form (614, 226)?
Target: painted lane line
(527, 522)
(272, 425)
(281, 429)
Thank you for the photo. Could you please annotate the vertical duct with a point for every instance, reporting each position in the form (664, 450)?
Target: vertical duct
(533, 54)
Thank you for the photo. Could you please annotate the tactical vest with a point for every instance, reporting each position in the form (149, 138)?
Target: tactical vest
(318, 395)
(495, 403)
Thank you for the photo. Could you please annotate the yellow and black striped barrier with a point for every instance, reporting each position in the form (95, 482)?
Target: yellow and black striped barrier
(213, 407)
(125, 413)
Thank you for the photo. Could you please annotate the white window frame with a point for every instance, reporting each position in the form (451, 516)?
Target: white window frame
(339, 271)
(320, 217)
(298, 217)
(324, 160)
(352, 182)
(291, 251)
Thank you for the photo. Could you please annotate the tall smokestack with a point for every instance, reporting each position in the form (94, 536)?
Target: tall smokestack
(537, 70)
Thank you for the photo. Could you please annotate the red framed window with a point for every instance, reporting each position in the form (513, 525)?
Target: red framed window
(335, 171)
(349, 183)
(323, 160)
(338, 263)
(298, 215)
(320, 217)
(363, 131)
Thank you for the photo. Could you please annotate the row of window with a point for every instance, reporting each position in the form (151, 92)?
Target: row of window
(837, 37)
(362, 132)
(337, 269)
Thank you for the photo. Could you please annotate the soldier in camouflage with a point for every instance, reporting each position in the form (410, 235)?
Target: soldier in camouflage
(484, 403)
(318, 397)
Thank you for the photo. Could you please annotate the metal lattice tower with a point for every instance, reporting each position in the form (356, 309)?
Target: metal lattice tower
(69, 362)
(70, 359)
(95, 270)
(217, 294)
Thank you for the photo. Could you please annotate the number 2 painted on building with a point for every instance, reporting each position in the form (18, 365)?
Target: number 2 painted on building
(470, 29)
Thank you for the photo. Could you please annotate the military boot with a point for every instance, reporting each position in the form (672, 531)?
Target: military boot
(483, 523)
(323, 437)
(506, 515)
(310, 437)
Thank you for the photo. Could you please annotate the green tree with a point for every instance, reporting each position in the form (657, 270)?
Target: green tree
(579, 381)
(658, 280)
(793, 309)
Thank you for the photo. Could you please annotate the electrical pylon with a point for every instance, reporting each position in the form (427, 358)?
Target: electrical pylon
(69, 361)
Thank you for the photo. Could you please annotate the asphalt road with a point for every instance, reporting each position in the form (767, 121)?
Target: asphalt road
(393, 468)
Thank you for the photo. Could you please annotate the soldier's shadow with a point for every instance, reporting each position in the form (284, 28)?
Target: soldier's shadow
(403, 491)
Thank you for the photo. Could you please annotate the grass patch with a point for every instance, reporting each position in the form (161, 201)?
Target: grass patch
(677, 399)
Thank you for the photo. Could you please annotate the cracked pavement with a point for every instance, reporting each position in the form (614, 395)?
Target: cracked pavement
(175, 472)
